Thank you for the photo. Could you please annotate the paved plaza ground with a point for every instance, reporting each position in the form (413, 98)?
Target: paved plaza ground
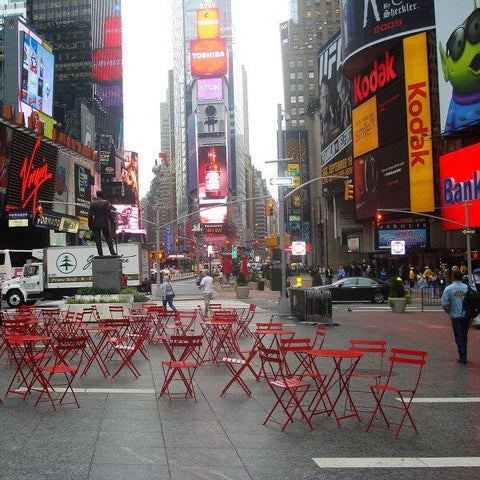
(123, 431)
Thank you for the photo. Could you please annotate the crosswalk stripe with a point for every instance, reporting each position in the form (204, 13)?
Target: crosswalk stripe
(444, 400)
(398, 462)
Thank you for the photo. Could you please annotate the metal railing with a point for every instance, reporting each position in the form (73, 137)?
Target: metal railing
(431, 296)
(311, 305)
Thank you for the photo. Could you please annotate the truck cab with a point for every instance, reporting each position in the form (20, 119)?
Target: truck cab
(24, 289)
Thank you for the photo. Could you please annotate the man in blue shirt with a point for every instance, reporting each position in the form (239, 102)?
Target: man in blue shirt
(452, 303)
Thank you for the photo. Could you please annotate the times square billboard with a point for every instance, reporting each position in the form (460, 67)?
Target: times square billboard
(458, 56)
(335, 117)
(367, 23)
(391, 126)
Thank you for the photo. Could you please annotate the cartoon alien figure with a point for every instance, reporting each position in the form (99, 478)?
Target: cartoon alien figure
(461, 67)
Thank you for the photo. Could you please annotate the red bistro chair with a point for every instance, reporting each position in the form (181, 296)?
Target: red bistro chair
(184, 352)
(402, 382)
(288, 391)
(319, 339)
(64, 349)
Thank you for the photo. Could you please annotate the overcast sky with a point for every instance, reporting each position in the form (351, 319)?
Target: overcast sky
(148, 57)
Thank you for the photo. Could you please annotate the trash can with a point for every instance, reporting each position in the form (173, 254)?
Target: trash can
(297, 302)
(261, 284)
(318, 305)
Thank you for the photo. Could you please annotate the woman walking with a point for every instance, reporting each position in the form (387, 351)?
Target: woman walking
(167, 293)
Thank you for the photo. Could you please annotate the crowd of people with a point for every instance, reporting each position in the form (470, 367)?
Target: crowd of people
(413, 276)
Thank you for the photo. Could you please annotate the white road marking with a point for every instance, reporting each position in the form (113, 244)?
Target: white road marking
(398, 462)
(445, 400)
(133, 391)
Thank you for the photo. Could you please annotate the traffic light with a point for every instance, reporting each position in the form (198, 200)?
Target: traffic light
(349, 191)
(39, 212)
(269, 206)
(234, 251)
(379, 218)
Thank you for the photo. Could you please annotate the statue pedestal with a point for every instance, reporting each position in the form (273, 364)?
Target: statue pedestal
(107, 273)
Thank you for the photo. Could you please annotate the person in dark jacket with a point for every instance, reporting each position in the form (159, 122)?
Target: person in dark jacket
(100, 220)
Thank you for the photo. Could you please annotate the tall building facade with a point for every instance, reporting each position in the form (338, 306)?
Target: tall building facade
(86, 37)
(188, 117)
(311, 24)
(11, 7)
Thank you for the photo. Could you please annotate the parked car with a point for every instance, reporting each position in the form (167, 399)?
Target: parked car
(255, 265)
(358, 289)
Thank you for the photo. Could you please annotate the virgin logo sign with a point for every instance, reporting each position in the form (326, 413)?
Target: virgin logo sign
(32, 178)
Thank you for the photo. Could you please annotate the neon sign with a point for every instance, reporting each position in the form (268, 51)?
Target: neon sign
(33, 178)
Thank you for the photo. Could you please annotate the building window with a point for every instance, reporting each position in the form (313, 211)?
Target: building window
(293, 99)
(299, 63)
(300, 87)
(291, 63)
(301, 111)
(293, 111)
(299, 75)
(308, 14)
(293, 87)
(311, 75)
(310, 63)
(301, 122)
(311, 87)
(292, 75)
(294, 123)
(300, 99)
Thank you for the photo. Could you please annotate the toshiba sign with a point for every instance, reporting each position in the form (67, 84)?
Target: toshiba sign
(208, 57)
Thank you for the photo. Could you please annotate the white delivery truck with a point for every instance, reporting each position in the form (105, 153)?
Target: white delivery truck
(63, 270)
(12, 262)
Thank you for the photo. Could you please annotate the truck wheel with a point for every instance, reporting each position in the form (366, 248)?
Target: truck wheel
(15, 298)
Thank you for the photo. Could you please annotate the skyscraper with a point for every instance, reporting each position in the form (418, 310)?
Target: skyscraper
(86, 38)
(11, 7)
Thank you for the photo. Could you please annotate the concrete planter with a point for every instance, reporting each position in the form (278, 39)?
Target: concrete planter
(125, 300)
(242, 291)
(253, 285)
(397, 304)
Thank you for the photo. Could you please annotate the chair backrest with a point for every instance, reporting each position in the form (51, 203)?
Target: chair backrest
(269, 325)
(294, 351)
(90, 314)
(319, 340)
(116, 311)
(374, 349)
(250, 313)
(120, 324)
(406, 367)
(272, 363)
(69, 350)
(186, 347)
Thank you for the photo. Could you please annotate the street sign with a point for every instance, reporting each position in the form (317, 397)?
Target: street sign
(397, 247)
(282, 181)
(468, 232)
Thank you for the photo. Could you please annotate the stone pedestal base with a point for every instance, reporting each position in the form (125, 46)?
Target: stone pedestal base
(107, 273)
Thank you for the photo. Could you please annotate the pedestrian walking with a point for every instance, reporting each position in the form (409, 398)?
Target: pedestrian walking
(476, 279)
(167, 293)
(411, 277)
(328, 274)
(206, 284)
(452, 303)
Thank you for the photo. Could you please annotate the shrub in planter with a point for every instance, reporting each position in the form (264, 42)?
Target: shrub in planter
(317, 280)
(241, 280)
(397, 289)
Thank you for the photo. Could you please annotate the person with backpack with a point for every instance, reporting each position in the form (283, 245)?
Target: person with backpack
(453, 304)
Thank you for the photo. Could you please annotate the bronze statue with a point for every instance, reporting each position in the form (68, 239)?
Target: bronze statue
(100, 220)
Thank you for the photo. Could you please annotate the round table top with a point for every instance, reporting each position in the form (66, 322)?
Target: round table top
(26, 338)
(336, 353)
(274, 331)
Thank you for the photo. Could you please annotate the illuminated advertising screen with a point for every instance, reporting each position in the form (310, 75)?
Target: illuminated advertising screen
(381, 179)
(113, 32)
(353, 244)
(37, 74)
(208, 57)
(128, 217)
(107, 64)
(369, 22)
(460, 182)
(211, 123)
(208, 23)
(33, 164)
(335, 113)
(209, 89)
(216, 214)
(212, 174)
(391, 124)
(458, 51)
(110, 95)
(414, 234)
(83, 195)
(62, 182)
(5, 148)
(130, 176)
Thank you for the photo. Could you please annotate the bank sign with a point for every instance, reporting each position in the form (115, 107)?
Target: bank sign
(460, 185)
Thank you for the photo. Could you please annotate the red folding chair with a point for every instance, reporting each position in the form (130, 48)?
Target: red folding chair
(184, 352)
(319, 339)
(402, 382)
(62, 348)
(243, 322)
(127, 350)
(288, 391)
(116, 311)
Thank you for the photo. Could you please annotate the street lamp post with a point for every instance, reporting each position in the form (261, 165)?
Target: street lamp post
(158, 289)
(283, 304)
